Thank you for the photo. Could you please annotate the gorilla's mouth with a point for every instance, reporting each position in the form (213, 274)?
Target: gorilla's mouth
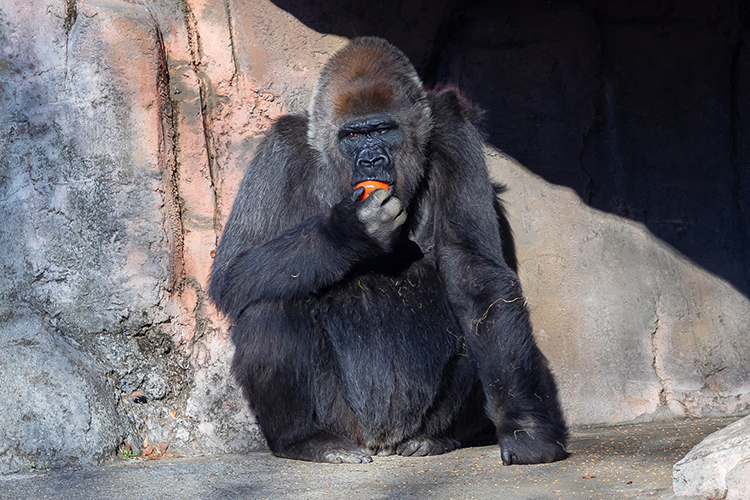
(369, 186)
(382, 178)
(380, 183)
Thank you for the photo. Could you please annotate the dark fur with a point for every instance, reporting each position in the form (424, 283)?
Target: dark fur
(345, 347)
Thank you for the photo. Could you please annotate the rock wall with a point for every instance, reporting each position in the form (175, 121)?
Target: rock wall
(126, 127)
(640, 107)
(633, 329)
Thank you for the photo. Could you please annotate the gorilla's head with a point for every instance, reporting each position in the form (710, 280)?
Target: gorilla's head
(370, 118)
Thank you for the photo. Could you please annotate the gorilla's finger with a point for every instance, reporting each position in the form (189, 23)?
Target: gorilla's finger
(391, 208)
(508, 457)
(357, 194)
(379, 196)
(400, 219)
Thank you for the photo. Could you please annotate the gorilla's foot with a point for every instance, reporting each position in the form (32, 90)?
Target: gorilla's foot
(324, 448)
(346, 456)
(423, 446)
(382, 451)
(521, 448)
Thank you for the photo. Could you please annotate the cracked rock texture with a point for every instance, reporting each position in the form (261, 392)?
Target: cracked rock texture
(125, 128)
(633, 329)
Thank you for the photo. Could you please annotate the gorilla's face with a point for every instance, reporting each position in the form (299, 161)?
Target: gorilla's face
(370, 118)
(370, 145)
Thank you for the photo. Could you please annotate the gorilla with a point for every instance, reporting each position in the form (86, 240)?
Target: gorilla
(388, 323)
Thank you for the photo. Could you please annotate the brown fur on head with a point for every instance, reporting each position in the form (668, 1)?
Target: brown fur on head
(371, 77)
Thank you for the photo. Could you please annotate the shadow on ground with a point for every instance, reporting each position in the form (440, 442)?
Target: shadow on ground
(623, 462)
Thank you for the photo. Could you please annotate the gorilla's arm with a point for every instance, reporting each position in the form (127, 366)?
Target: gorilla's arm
(278, 242)
(486, 296)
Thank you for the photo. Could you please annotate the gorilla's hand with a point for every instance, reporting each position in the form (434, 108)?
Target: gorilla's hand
(381, 215)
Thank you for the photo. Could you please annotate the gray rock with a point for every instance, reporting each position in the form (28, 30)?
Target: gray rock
(91, 240)
(738, 481)
(80, 201)
(718, 467)
(633, 329)
(58, 405)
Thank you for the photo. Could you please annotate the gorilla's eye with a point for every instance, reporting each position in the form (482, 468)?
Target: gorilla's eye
(352, 135)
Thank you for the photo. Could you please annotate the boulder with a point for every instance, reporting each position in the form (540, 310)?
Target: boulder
(738, 481)
(718, 467)
(58, 402)
(632, 328)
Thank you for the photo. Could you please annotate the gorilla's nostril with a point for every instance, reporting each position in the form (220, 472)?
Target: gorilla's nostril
(377, 162)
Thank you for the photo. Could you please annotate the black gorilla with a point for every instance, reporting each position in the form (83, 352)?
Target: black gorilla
(391, 324)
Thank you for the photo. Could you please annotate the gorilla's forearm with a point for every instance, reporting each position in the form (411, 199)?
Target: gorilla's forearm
(311, 255)
(518, 385)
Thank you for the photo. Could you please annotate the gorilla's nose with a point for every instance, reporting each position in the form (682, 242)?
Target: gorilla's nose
(377, 162)
(372, 162)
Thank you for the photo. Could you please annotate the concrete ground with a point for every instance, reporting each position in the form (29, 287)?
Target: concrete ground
(624, 462)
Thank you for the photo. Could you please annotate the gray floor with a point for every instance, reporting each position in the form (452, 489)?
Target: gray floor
(633, 461)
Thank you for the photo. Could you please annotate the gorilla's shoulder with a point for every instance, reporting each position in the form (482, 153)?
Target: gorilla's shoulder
(449, 105)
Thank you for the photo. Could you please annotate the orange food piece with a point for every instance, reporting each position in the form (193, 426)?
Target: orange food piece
(371, 186)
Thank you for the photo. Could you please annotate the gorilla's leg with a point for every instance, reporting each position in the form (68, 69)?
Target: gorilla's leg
(456, 416)
(324, 447)
(281, 362)
(420, 447)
